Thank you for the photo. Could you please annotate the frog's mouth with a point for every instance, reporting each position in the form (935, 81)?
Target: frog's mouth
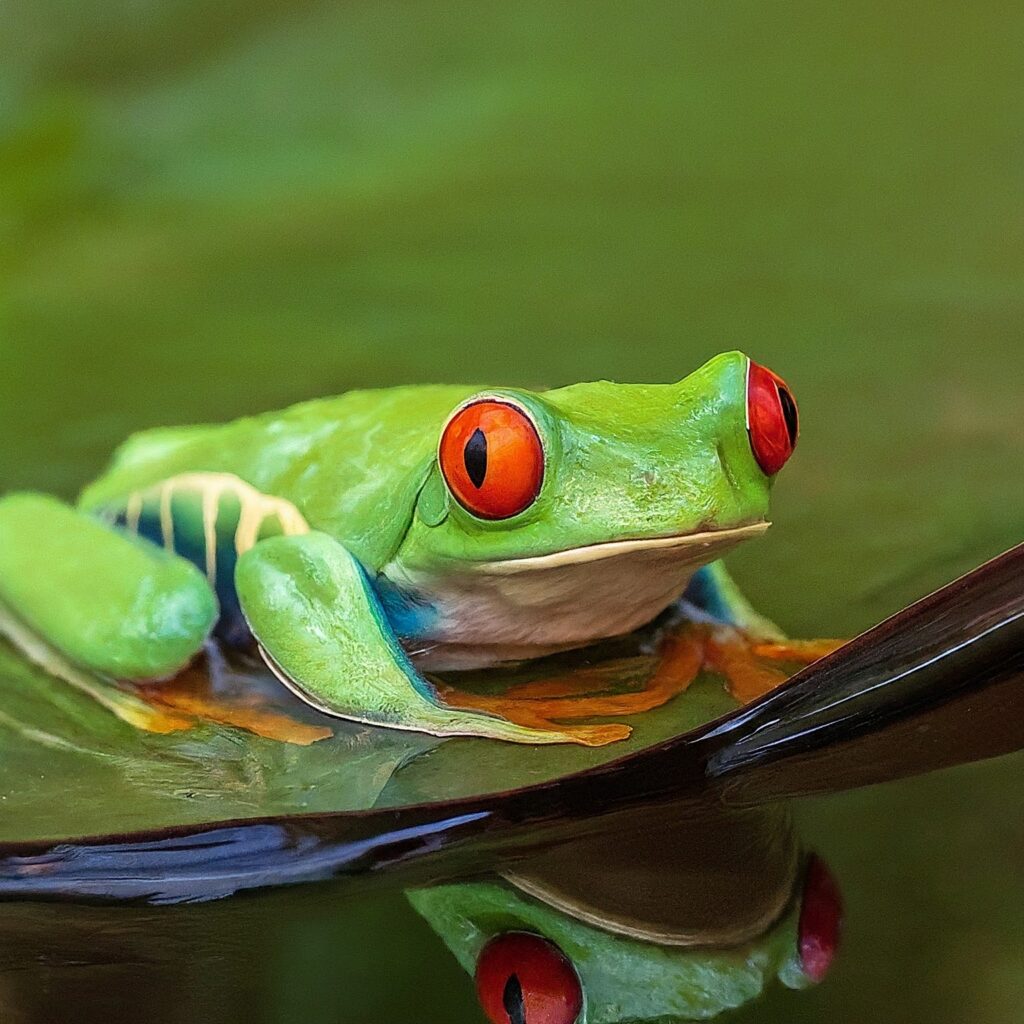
(511, 609)
(705, 542)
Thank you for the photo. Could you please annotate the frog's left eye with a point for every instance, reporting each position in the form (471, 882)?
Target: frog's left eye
(772, 419)
(492, 458)
(522, 978)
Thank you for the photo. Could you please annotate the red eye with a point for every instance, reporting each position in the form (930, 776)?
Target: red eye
(772, 419)
(524, 979)
(492, 459)
(821, 916)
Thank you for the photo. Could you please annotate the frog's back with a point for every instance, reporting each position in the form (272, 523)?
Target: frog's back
(350, 466)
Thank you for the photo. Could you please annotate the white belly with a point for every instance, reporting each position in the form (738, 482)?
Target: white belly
(490, 612)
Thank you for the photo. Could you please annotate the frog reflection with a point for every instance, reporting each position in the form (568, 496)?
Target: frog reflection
(677, 913)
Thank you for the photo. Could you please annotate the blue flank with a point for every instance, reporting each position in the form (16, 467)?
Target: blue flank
(408, 618)
(384, 597)
(231, 626)
(704, 592)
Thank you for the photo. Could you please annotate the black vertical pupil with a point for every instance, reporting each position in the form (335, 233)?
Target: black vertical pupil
(789, 414)
(512, 1000)
(475, 457)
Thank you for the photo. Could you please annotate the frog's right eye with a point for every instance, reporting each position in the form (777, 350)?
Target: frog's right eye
(492, 458)
(522, 978)
(821, 917)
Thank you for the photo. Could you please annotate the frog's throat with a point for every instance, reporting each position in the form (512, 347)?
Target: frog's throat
(484, 613)
(707, 540)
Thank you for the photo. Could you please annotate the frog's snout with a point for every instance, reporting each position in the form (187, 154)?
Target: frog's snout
(773, 423)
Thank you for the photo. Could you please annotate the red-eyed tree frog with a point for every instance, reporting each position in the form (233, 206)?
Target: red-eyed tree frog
(362, 540)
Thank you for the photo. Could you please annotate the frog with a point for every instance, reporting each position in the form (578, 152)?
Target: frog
(361, 543)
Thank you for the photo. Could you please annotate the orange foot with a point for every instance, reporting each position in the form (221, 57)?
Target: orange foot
(544, 703)
(191, 698)
(547, 703)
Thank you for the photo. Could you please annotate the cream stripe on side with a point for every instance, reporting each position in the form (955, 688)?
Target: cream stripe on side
(254, 509)
(166, 518)
(211, 503)
(133, 511)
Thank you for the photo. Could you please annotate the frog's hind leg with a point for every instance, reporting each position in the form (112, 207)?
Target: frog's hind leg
(195, 692)
(322, 629)
(94, 605)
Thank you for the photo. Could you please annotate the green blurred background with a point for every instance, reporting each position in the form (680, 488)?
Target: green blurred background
(213, 208)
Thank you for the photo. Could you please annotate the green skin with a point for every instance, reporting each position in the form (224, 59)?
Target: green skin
(331, 526)
(623, 979)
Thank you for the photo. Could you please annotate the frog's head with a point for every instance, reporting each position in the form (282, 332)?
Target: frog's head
(535, 963)
(590, 505)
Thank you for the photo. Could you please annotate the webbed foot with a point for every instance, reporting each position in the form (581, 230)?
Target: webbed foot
(685, 650)
(548, 702)
(203, 694)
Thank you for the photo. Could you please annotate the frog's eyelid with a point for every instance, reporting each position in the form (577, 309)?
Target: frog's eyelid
(494, 396)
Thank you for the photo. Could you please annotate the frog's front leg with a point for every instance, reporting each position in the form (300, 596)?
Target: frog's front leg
(93, 605)
(715, 593)
(742, 638)
(323, 630)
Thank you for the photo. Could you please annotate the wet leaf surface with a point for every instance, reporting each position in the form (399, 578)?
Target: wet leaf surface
(108, 777)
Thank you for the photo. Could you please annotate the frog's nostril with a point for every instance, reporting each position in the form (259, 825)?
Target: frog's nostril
(773, 423)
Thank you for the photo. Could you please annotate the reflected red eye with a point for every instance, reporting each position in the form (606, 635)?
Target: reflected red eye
(772, 419)
(821, 917)
(492, 459)
(524, 979)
